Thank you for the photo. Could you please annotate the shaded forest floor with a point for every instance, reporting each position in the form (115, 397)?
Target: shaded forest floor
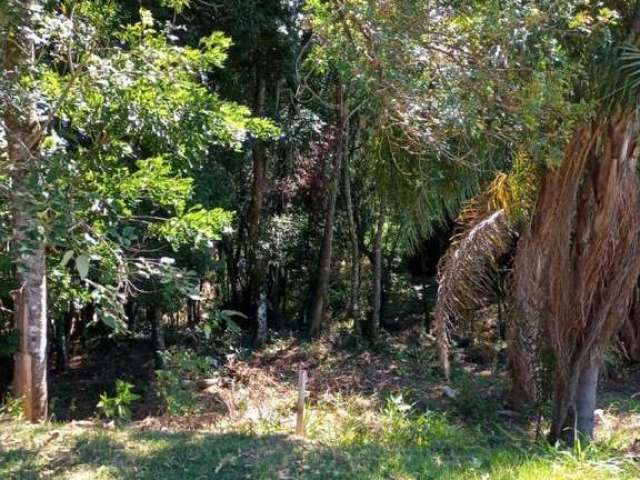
(376, 413)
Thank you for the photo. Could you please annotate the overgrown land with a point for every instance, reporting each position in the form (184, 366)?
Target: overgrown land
(429, 208)
(370, 415)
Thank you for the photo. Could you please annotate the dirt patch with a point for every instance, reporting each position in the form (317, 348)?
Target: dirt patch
(75, 392)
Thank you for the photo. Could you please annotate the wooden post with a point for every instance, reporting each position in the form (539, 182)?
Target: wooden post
(302, 395)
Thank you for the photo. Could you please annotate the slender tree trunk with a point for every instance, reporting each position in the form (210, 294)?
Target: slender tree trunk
(30, 375)
(374, 326)
(285, 292)
(259, 172)
(426, 305)
(62, 327)
(23, 136)
(261, 315)
(276, 295)
(354, 299)
(257, 289)
(130, 310)
(154, 314)
(319, 293)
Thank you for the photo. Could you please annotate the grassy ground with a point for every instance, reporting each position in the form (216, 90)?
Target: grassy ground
(377, 415)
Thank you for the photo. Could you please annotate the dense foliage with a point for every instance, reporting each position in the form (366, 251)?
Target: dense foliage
(210, 174)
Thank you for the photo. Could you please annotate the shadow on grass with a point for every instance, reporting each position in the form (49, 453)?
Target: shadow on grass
(125, 454)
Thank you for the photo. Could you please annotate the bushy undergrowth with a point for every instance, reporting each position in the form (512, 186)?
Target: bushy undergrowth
(176, 381)
(118, 406)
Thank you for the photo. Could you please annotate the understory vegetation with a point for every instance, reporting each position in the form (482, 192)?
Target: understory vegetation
(371, 415)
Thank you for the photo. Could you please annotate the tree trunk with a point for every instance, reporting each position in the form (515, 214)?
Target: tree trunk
(576, 268)
(23, 136)
(63, 327)
(130, 310)
(154, 314)
(30, 375)
(318, 296)
(374, 325)
(259, 172)
(579, 424)
(277, 276)
(354, 298)
(262, 330)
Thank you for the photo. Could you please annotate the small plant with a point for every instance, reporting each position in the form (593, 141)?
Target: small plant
(177, 380)
(217, 319)
(117, 407)
(396, 418)
(12, 407)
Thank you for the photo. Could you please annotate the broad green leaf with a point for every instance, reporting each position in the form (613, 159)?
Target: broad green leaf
(82, 265)
(66, 257)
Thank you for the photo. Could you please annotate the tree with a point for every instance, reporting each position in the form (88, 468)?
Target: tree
(320, 289)
(600, 267)
(583, 233)
(131, 121)
(23, 134)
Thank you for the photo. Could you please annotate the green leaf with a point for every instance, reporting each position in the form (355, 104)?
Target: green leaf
(207, 331)
(233, 326)
(82, 265)
(66, 257)
(110, 321)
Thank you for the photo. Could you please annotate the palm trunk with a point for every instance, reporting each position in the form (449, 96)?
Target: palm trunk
(318, 296)
(579, 423)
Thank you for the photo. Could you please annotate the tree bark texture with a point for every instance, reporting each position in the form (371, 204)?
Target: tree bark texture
(154, 314)
(261, 315)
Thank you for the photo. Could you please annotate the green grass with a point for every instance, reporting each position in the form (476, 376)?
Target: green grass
(398, 427)
(345, 442)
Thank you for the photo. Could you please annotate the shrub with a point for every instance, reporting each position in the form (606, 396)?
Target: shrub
(12, 407)
(117, 407)
(177, 380)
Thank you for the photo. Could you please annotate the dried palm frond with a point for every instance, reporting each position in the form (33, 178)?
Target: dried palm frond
(576, 268)
(467, 272)
(629, 336)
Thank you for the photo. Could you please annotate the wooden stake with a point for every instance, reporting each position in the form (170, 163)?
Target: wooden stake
(302, 395)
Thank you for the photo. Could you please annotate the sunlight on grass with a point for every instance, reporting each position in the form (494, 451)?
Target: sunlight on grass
(347, 440)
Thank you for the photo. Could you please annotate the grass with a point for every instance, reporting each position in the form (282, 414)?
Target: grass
(344, 442)
(389, 429)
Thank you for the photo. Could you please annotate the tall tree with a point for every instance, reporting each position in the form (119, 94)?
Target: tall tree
(23, 133)
(320, 289)
(584, 239)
